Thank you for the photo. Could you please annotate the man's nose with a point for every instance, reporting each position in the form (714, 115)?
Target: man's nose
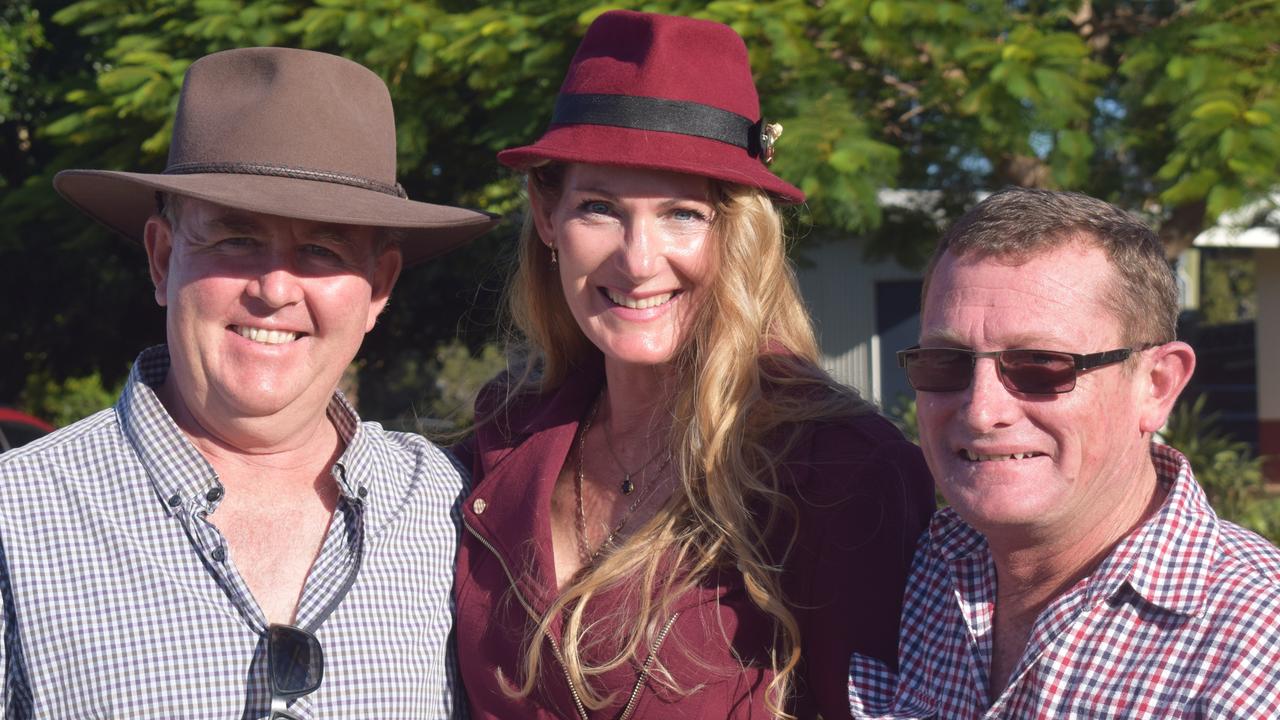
(275, 284)
(988, 404)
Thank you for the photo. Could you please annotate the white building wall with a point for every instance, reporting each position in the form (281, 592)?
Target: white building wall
(1268, 337)
(839, 288)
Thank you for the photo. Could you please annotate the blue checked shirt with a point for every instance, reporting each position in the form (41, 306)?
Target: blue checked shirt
(120, 598)
(1181, 620)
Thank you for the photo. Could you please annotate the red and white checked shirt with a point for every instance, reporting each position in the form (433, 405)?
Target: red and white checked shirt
(1182, 620)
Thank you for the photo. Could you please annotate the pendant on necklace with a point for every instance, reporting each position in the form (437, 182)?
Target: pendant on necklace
(628, 487)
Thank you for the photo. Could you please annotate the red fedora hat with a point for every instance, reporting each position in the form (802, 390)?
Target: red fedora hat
(286, 132)
(660, 92)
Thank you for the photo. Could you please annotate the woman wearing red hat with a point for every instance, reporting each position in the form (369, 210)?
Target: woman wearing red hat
(676, 513)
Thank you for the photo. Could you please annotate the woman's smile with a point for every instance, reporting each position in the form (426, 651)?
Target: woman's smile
(634, 257)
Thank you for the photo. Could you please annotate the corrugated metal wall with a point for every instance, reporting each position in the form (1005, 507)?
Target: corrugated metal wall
(840, 289)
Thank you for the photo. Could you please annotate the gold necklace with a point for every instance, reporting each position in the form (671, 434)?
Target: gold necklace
(584, 549)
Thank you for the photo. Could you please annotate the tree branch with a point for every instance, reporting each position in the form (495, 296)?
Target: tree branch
(1180, 230)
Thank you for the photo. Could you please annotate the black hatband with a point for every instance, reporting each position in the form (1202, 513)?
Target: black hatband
(659, 114)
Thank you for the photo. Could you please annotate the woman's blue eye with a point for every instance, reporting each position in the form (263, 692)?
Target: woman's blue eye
(688, 215)
(596, 207)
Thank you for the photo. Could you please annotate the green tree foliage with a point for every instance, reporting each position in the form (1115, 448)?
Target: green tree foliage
(1226, 468)
(1228, 288)
(20, 35)
(436, 393)
(62, 402)
(1166, 107)
(903, 414)
(459, 375)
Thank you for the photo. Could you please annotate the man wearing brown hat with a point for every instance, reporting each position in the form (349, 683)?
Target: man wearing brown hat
(230, 540)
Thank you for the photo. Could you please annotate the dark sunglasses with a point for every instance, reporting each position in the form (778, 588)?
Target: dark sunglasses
(1031, 372)
(295, 665)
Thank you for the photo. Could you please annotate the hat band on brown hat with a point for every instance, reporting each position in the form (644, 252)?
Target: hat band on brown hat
(663, 115)
(235, 168)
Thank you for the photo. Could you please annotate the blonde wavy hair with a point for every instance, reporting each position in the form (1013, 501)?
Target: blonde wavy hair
(747, 379)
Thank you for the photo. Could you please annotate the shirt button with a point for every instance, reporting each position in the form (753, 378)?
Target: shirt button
(175, 501)
(218, 554)
(362, 492)
(214, 494)
(479, 505)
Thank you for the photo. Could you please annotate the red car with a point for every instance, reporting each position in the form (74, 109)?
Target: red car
(18, 428)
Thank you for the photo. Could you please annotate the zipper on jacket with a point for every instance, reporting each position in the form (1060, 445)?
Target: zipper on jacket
(648, 664)
(555, 647)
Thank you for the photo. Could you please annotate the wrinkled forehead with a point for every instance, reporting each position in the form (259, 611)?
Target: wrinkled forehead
(213, 217)
(1061, 294)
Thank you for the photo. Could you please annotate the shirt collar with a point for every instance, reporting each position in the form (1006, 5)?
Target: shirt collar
(357, 466)
(1164, 561)
(952, 538)
(182, 477)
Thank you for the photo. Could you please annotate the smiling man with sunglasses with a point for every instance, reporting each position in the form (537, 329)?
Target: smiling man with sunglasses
(1079, 570)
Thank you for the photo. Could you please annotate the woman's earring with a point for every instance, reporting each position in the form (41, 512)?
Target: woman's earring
(553, 255)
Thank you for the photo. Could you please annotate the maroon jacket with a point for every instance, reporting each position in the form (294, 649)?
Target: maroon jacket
(863, 494)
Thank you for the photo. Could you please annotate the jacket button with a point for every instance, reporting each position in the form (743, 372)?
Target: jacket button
(479, 505)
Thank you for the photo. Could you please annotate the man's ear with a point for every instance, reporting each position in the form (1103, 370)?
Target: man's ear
(1163, 374)
(157, 237)
(541, 209)
(385, 273)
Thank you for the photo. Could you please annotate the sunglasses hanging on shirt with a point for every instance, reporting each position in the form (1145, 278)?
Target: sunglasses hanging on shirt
(295, 666)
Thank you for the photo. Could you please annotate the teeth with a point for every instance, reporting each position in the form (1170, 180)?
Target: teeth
(262, 335)
(651, 301)
(971, 456)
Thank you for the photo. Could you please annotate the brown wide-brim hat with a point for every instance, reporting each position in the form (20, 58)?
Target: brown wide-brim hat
(661, 92)
(286, 132)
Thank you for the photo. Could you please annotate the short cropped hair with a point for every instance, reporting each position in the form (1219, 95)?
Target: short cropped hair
(1017, 224)
(170, 207)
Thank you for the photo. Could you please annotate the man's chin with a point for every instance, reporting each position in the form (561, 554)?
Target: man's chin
(271, 403)
(254, 402)
(998, 506)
